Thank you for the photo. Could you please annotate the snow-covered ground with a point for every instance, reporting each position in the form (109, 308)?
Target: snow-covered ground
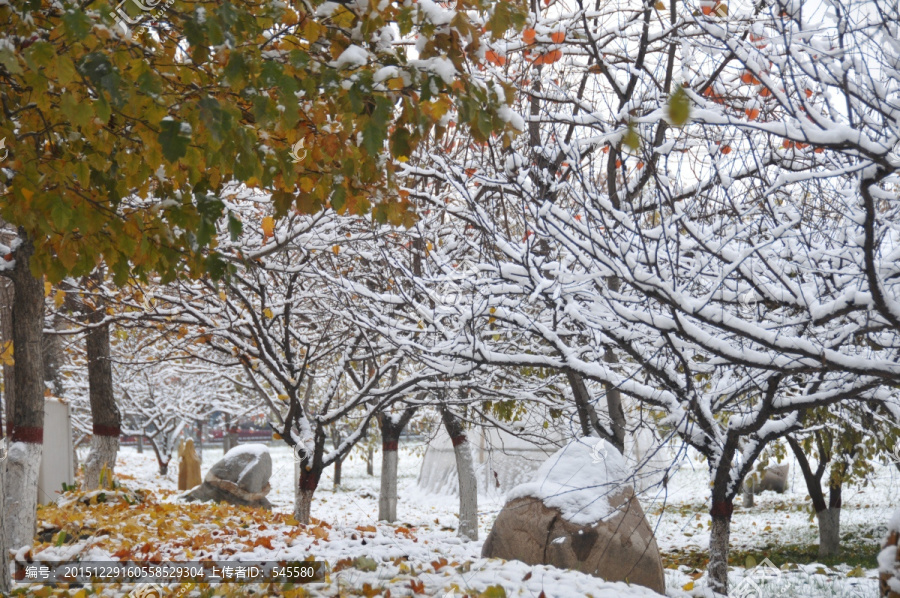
(409, 552)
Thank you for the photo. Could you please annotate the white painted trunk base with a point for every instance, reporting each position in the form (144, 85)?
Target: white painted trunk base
(20, 493)
(468, 492)
(103, 453)
(387, 497)
(4, 569)
(829, 532)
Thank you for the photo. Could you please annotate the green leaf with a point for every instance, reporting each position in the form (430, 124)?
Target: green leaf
(102, 109)
(61, 536)
(174, 143)
(373, 138)
(749, 562)
(8, 59)
(679, 107)
(632, 140)
(400, 145)
(78, 113)
(500, 20)
(235, 227)
(39, 55)
(60, 215)
(76, 24)
(66, 70)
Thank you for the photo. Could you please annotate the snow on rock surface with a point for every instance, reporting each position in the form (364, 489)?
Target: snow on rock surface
(577, 479)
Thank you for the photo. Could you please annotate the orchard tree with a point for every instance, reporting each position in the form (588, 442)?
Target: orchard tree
(120, 140)
(694, 219)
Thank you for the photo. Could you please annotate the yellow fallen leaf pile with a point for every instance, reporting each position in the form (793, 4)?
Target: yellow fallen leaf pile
(139, 526)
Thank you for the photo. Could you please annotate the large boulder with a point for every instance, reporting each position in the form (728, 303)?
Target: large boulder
(889, 560)
(580, 512)
(774, 478)
(240, 478)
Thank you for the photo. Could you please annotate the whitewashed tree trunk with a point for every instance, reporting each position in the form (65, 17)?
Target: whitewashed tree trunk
(26, 434)
(392, 427)
(103, 453)
(4, 559)
(370, 461)
(22, 467)
(387, 498)
(829, 532)
(465, 470)
(468, 492)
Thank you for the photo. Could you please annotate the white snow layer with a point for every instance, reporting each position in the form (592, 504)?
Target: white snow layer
(577, 480)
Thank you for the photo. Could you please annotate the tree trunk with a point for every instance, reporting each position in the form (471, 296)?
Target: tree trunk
(391, 429)
(107, 421)
(200, 441)
(465, 469)
(370, 461)
(829, 532)
(309, 481)
(387, 497)
(4, 560)
(337, 471)
(27, 434)
(828, 515)
(7, 297)
(339, 462)
(830, 523)
(719, 538)
(140, 441)
(52, 352)
(230, 440)
(587, 415)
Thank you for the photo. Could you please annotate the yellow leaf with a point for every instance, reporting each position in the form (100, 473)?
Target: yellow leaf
(47, 288)
(268, 313)
(276, 436)
(268, 226)
(688, 586)
(336, 249)
(283, 397)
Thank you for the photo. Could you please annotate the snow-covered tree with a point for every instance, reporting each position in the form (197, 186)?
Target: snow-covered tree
(702, 216)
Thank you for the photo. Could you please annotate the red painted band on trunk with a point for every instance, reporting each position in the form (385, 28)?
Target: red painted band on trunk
(458, 440)
(722, 508)
(309, 482)
(27, 434)
(101, 430)
(389, 446)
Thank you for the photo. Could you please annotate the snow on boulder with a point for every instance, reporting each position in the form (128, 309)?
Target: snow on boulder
(580, 512)
(241, 477)
(888, 561)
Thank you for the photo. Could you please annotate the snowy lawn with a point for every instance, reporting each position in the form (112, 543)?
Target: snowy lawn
(421, 555)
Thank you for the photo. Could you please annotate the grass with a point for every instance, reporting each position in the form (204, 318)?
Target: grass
(854, 554)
